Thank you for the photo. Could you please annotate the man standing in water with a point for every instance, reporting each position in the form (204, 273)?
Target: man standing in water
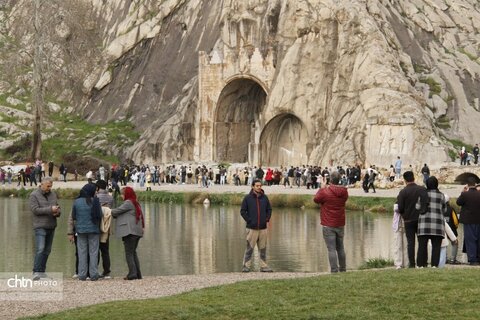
(43, 204)
(256, 211)
(332, 199)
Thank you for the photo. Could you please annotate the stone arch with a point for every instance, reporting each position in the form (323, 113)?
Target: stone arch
(284, 141)
(463, 178)
(237, 113)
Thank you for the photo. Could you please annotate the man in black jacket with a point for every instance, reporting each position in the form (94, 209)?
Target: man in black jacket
(476, 150)
(469, 200)
(256, 211)
(425, 173)
(412, 201)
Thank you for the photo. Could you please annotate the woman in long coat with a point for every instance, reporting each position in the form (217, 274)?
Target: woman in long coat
(129, 227)
(431, 225)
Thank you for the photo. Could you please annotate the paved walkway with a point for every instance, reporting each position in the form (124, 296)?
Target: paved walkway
(451, 190)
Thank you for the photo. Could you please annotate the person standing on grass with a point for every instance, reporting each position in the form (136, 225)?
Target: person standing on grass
(431, 225)
(469, 200)
(256, 211)
(332, 199)
(451, 219)
(398, 231)
(412, 201)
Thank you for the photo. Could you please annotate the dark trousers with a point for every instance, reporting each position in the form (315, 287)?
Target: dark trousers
(75, 240)
(411, 232)
(130, 243)
(371, 185)
(422, 254)
(472, 241)
(105, 257)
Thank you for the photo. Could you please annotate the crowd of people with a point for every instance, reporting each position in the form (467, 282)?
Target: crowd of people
(421, 213)
(145, 176)
(30, 174)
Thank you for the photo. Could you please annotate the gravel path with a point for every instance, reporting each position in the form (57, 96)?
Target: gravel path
(77, 293)
(82, 293)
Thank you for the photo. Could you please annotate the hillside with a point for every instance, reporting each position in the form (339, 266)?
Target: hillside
(345, 81)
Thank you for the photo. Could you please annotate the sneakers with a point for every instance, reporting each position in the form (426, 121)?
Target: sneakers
(245, 269)
(266, 269)
(38, 275)
(105, 276)
(75, 276)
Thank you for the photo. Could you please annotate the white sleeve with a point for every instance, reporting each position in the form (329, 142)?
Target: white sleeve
(449, 232)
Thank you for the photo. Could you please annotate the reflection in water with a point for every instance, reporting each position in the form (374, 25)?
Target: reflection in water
(184, 239)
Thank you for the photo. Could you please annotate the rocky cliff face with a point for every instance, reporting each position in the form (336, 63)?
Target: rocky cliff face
(356, 80)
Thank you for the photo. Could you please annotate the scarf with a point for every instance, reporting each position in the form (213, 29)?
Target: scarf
(88, 192)
(129, 194)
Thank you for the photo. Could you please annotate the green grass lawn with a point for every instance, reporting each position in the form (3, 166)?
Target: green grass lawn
(387, 294)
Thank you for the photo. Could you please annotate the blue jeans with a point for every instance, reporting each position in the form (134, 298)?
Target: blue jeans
(336, 253)
(43, 247)
(471, 234)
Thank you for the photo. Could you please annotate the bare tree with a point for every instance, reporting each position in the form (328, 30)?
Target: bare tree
(66, 46)
(38, 83)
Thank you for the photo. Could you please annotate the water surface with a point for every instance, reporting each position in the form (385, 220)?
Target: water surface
(186, 239)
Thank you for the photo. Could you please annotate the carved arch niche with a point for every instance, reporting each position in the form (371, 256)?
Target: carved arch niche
(284, 142)
(236, 119)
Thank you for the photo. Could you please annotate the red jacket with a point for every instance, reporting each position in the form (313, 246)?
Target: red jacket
(332, 200)
(269, 175)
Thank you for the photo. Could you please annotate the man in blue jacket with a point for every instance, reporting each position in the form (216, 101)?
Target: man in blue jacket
(256, 211)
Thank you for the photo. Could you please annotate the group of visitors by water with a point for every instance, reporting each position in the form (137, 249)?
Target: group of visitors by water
(89, 228)
(421, 213)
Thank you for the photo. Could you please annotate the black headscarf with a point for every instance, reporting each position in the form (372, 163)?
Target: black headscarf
(88, 192)
(432, 183)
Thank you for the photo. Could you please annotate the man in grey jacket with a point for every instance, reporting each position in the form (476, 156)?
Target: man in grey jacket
(45, 209)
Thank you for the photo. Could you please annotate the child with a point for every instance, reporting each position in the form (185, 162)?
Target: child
(443, 251)
(452, 220)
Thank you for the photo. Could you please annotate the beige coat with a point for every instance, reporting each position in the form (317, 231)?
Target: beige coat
(105, 224)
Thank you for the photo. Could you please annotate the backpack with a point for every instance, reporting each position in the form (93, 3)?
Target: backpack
(454, 218)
